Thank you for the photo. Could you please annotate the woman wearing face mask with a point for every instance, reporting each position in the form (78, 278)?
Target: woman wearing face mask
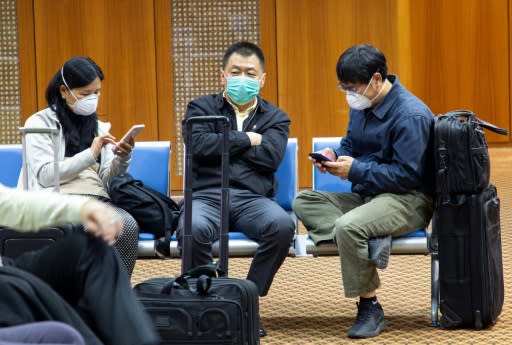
(86, 157)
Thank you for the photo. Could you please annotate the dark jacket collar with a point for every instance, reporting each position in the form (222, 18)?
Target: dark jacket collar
(387, 102)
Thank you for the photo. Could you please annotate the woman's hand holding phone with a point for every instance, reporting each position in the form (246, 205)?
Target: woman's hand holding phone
(125, 146)
(132, 132)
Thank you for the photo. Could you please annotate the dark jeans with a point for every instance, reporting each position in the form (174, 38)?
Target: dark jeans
(260, 218)
(89, 276)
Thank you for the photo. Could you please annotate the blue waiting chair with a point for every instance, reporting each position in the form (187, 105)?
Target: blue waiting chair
(12, 160)
(416, 242)
(150, 164)
(13, 243)
(287, 182)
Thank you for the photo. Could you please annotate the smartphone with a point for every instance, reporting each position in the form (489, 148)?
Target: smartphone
(132, 132)
(319, 158)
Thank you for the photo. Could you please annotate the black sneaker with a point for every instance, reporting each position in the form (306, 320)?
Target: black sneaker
(369, 321)
(379, 249)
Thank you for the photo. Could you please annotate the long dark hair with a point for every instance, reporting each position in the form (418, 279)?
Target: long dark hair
(79, 131)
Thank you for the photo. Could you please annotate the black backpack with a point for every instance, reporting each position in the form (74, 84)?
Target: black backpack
(154, 212)
(461, 154)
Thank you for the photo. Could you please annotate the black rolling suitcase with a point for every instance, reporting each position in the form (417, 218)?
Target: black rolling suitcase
(466, 222)
(14, 243)
(470, 260)
(203, 305)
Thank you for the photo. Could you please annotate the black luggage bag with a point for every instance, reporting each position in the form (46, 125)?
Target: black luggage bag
(202, 305)
(14, 243)
(461, 153)
(470, 260)
(466, 223)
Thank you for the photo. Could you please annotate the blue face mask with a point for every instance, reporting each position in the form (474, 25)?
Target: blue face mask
(242, 90)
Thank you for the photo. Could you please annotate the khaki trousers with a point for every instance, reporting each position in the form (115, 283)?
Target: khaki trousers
(350, 220)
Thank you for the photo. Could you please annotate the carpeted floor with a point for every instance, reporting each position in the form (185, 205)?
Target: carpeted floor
(306, 305)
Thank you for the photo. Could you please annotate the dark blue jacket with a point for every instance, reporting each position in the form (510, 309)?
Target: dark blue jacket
(391, 145)
(251, 167)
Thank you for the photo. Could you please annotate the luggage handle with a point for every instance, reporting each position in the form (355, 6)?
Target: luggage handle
(203, 284)
(468, 113)
(43, 130)
(210, 270)
(186, 255)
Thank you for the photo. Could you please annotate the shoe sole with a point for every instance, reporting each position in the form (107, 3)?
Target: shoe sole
(382, 258)
(380, 327)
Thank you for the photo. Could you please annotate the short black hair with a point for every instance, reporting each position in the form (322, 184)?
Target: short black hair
(245, 49)
(359, 63)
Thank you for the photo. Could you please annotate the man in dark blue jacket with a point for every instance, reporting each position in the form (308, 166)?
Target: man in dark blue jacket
(386, 156)
(257, 143)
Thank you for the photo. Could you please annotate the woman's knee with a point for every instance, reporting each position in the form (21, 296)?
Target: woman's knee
(130, 226)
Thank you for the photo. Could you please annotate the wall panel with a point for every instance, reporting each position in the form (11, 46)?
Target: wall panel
(9, 74)
(27, 58)
(308, 47)
(460, 56)
(119, 36)
(165, 81)
(268, 44)
(451, 56)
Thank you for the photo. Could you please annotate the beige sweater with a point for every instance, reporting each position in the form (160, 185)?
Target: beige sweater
(33, 211)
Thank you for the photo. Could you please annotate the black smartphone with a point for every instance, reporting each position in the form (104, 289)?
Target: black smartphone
(318, 157)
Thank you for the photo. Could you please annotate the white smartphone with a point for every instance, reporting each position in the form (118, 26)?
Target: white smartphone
(132, 132)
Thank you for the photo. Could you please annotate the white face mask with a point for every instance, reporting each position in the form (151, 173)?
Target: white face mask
(360, 101)
(357, 101)
(84, 106)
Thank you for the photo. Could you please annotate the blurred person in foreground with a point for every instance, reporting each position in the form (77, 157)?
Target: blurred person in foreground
(82, 268)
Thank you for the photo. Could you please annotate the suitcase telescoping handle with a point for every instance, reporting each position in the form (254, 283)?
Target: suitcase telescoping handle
(186, 254)
(55, 132)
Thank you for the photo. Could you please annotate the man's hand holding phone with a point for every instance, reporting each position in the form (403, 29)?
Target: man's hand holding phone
(320, 158)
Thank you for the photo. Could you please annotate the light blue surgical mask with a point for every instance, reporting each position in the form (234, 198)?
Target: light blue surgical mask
(241, 89)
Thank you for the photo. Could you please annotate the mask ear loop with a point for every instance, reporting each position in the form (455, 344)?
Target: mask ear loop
(66, 84)
(380, 91)
(368, 86)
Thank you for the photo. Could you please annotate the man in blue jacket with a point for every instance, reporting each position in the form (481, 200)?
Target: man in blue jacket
(386, 156)
(257, 143)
